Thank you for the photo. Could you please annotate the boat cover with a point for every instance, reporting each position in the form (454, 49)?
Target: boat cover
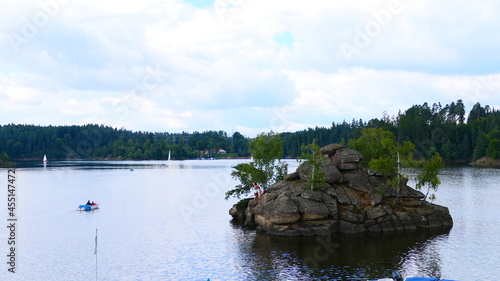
(87, 207)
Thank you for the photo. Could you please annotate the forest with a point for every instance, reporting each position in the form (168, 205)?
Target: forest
(448, 130)
(102, 142)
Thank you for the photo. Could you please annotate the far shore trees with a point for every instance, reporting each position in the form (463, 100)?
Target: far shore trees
(5, 160)
(446, 129)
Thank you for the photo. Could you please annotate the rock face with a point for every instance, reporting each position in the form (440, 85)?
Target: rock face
(353, 200)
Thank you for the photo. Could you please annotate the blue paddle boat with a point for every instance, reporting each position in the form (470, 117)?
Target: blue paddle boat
(88, 207)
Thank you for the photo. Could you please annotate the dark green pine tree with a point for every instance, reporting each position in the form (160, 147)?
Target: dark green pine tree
(481, 145)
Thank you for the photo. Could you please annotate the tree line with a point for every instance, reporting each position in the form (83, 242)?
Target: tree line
(103, 142)
(436, 128)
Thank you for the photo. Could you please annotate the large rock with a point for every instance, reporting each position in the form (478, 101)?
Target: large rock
(310, 210)
(351, 228)
(358, 180)
(296, 187)
(250, 213)
(375, 212)
(282, 211)
(351, 201)
(352, 217)
(292, 177)
(312, 195)
(332, 174)
(330, 149)
(346, 159)
(268, 197)
(278, 212)
(238, 211)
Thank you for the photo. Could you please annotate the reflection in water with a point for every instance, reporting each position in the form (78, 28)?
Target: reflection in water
(128, 164)
(338, 257)
(424, 258)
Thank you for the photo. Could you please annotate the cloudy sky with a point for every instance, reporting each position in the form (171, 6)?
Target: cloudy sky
(241, 65)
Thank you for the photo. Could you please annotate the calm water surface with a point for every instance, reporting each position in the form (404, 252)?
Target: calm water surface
(169, 221)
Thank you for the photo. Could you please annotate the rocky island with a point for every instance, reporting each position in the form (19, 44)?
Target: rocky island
(353, 200)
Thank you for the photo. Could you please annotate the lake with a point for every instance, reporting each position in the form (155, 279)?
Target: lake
(168, 220)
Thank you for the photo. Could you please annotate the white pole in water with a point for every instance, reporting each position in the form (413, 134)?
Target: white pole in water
(95, 250)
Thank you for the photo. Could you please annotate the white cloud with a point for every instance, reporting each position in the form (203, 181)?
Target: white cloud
(92, 61)
(366, 93)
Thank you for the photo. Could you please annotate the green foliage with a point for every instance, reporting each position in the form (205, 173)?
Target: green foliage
(481, 143)
(381, 152)
(101, 142)
(5, 157)
(429, 174)
(373, 144)
(311, 153)
(243, 203)
(337, 133)
(240, 145)
(246, 173)
(476, 113)
(494, 133)
(5, 161)
(493, 149)
(432, 128)
(265, 148)
(385, 156)
(266, 167)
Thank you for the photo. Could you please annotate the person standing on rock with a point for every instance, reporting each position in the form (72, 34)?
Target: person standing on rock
(257, 191)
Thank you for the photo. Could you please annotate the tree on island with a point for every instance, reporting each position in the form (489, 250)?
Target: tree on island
(382, 154)
(312, 155)
(266, 167)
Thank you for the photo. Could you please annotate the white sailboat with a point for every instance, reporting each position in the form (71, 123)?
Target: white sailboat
(169, 155)
(45, 158)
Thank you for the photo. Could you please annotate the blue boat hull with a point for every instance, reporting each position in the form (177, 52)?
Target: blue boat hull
(88, 207)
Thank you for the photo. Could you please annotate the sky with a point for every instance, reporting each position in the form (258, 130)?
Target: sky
(247, 66)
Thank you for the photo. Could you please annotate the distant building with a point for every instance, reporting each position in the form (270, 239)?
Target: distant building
(221, 151)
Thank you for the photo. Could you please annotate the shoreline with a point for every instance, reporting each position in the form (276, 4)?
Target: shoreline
(124, 159)
(486, 162)
(7, 164)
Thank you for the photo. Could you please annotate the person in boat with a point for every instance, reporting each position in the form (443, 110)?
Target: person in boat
(88, 203)
(257, 191)
(93, 203)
